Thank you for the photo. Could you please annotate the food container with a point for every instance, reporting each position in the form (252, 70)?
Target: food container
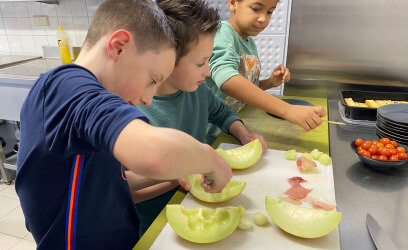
(365, 113)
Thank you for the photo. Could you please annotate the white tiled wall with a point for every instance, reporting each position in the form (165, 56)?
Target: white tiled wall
(19, 35)
(272, 42)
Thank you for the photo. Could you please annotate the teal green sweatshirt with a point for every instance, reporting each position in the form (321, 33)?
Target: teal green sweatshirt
(189, 112)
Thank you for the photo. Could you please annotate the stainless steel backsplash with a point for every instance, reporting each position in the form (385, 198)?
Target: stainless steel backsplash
(349, 41)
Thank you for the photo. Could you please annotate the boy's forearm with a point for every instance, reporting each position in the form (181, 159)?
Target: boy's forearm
(137, 182)
(152, 192)
(238, 130)
(243, 90)
(162, 153)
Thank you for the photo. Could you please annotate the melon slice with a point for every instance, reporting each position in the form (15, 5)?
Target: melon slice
(203, 225)
(244, 156)
(301, 221)
(233, 189)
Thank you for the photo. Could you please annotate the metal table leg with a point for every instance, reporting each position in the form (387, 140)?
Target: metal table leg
(5, 173)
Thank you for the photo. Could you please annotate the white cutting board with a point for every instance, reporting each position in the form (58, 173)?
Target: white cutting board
(268, 177)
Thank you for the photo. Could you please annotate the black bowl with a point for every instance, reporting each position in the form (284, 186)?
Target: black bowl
(377, 164)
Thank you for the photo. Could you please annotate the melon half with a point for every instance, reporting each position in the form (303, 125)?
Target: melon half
(233, 189)
(203, 225)
(244, 156)
(301, 221)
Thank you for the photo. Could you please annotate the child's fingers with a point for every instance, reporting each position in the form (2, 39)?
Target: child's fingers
(319, 111)
(184, 183)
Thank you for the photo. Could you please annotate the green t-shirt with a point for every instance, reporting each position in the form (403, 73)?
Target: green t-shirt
(231, 56)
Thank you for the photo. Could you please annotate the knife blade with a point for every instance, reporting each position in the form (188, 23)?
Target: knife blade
(381, 239)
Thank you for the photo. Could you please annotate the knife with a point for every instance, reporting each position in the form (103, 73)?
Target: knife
(381, 239)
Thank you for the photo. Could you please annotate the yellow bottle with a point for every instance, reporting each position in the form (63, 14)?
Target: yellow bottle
(62, 37)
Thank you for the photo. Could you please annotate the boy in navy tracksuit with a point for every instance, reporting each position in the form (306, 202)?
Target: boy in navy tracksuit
(79, 129)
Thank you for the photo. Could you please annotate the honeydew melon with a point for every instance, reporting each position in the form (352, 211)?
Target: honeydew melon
(233, 189)
(325, 159)
(260, 219)
(316, 154)
(290, 155)
(301, 221)
(307, 156)
(244, 156)
(203, 225)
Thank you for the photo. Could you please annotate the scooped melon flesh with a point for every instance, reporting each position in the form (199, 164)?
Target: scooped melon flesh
(232, 189)
(301, 221)
(203, 225)
(244, 156)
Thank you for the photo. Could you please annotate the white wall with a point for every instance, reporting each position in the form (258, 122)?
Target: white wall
(19, 35)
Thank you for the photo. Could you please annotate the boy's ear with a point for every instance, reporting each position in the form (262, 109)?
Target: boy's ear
(232, 5)
(118, 41)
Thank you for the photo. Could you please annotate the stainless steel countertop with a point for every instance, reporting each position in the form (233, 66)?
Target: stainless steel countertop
(17, 80)
(361, 190)
(27, 72)
(7, 59)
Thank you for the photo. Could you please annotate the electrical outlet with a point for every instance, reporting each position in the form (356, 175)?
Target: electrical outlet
(41, 21)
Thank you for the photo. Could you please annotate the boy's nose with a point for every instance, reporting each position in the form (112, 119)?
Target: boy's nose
(207, 71)
(262, 18)
(146, 101)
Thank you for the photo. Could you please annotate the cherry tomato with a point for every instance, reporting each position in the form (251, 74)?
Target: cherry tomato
(389, 146)
(375, 142)
(375, 157)
(384, 151)
(369, 142)
(382, 158)
(358, 142)
(401, 150)
(373, 150)
(361, 151)
(402, 156)
(367, 154)
(385, 141)
(380, 145)
(365, 145)
(394, 143)
(393, 158)
(359, 148)
(393, 151)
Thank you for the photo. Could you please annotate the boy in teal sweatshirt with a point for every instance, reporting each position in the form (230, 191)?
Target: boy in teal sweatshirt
(183, 102)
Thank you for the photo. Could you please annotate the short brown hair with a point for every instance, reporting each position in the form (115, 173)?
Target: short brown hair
(142, 18)
(189, 19)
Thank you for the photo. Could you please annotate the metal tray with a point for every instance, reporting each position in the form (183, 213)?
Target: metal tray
(363, 113)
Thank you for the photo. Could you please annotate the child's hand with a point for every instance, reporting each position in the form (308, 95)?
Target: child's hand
(280, 75)
(215, 181)
(305, 116)
(250, 137)
(184, 183)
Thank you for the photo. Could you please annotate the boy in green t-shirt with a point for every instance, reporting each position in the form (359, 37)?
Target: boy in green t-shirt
(235, 67)
(182, 101)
